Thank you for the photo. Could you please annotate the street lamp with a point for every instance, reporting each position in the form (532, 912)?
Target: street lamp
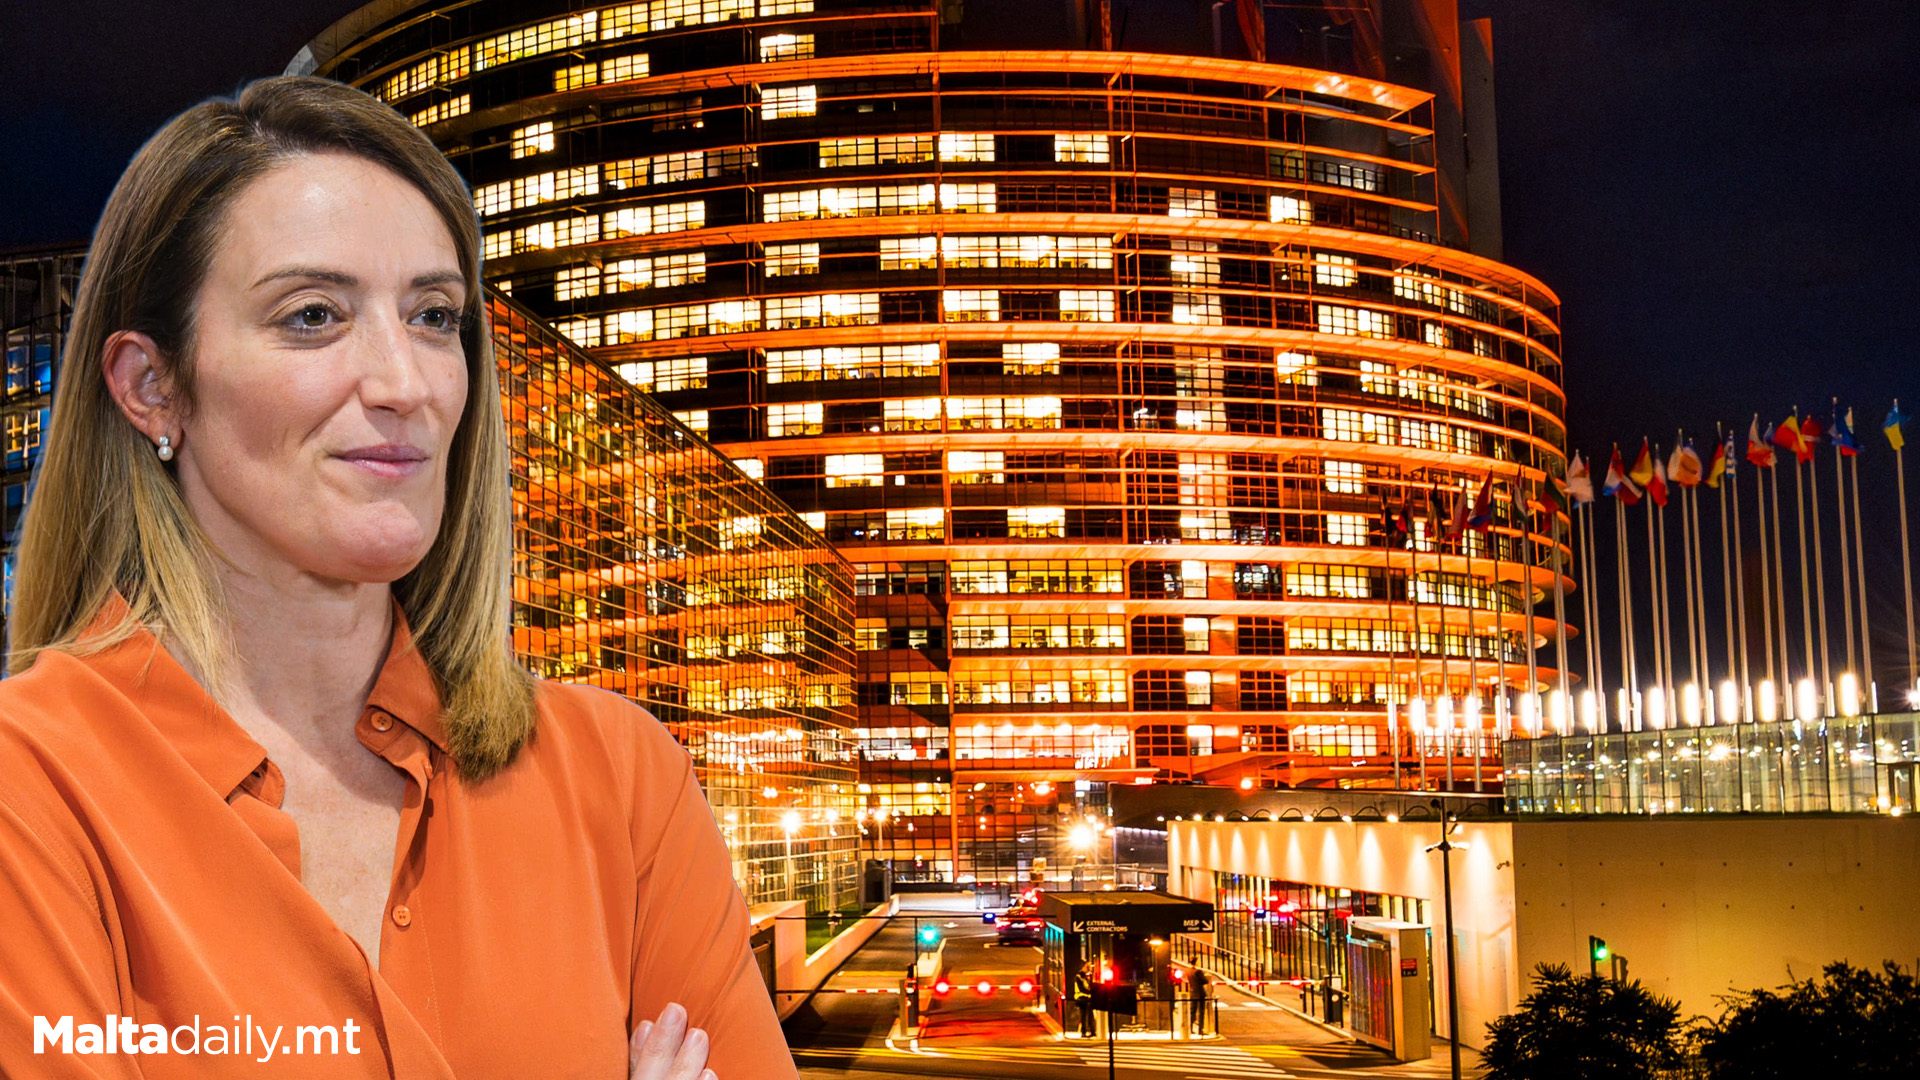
(1446, 847)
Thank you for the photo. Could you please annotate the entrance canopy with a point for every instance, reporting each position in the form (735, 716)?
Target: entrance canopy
(1126, 912)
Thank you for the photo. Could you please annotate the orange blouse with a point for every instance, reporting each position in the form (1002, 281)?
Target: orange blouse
(147, 873)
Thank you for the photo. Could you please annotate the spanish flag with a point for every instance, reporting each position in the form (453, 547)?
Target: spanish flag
(1787, 436)
(1642, 472)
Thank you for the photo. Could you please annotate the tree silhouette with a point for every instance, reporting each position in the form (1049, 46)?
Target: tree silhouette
(1583, 1027)
(1855, 1023)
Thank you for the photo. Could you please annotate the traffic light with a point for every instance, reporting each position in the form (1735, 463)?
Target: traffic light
(1596, 954)
(1106, 973)
(1178, 975)
(929, 936)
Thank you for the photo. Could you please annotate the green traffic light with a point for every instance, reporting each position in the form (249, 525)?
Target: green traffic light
(929, 935)
(1599, 950)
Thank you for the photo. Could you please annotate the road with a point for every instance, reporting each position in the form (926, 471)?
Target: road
(837, 1035)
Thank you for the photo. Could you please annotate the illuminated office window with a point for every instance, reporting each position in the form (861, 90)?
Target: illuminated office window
(1344, 582)
(1196, 309)
(1085, 252)
(623, 68)
(783, 101)
(1296, 368)
(1086, 149)
(582, 332)
(1199, 687)
(853, 470)
(647, 220)
(1289, 210)
(574, 282)
(1031, 358)
(971, 305)
(661, 272)
(796, 418)
(575, 76)
(533, 139)
(831, 309)
(908, 253)
(1036, 522)
(695, 419)
(961, 146)
(425, 75)
(1331, 269)
(786, 47)
(661, 376)
(1357, 322)
(1345, 477)
(911, 414)
(1194, 262)
(967, 198)
(976, 466)
(1347, 529)
(536, 40)
(445, 110)
(1192, 203)
(1086, 305)
(784, 260)
(753, 466)
(876, 150)
(919, 523)
(629, 326)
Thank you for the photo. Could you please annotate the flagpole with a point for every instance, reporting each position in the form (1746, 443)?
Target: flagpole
(1590, 611)
(1784, 686)
(1860, 566)
(1906, 554)
(1686, 581)
(1820, 581)
(1846, 556)
(1662, 623)
(1806, 575)
(1492, 539)
(1527, 608)
(1629, 667)
(1560, 616)
(1737, 591)
(1700, 597)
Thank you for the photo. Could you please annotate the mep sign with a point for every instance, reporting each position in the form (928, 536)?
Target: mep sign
(1133, 913)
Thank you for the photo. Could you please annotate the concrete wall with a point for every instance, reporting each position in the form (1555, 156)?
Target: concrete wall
(797, 974)
(1385, 858)
(1698, 905)
(1701, 905)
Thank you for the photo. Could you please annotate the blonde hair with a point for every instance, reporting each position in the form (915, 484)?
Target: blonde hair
(106, 513)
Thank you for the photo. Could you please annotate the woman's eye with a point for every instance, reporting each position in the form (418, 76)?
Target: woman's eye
(442, 318)
(310, 317)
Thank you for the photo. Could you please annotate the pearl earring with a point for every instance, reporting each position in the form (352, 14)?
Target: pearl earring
(166, 448)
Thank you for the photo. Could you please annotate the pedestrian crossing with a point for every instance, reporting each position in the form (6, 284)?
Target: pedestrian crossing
(1190, 1059)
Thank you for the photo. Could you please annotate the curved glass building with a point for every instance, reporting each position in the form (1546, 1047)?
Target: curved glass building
(1119, 353)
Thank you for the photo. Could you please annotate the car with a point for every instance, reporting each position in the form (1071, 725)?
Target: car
(1021, 925)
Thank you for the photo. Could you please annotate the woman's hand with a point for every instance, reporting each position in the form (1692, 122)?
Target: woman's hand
(668, 1050)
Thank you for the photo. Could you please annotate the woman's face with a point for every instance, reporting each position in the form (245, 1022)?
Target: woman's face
(329, 375)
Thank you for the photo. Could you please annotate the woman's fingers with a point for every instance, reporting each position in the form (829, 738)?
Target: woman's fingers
(668, 1049)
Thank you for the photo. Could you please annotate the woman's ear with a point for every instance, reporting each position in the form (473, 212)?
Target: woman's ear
(141, 384)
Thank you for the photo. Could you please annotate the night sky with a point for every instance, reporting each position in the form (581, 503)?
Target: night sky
(1723, 192)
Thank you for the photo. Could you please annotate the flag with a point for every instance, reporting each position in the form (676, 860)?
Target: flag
(1548, 500)
(1786, 436)
(1457, 521)
(1685, 468)
(1390, 524)
(1891, 426)
(1579, 481)
(1518, 510)
(1657, 485)
(1618, 483)
(1642, 472)
(1843, 439)
(1810, 432)
(1436, 516)
(1722, 463)
(1482, 516)
(1759, 447)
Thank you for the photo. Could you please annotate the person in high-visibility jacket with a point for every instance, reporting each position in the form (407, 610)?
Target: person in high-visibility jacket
(1083, 997)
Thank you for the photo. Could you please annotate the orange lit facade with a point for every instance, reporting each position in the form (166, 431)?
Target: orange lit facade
(1101, 366)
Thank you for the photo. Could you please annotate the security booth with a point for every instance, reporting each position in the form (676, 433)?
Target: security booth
(1390, 971)
(1126, 938)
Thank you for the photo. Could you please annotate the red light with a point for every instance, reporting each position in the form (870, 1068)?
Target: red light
(1178, 975)
(984, 987)
(1025, 986)
(1106, 973)
(941, 988)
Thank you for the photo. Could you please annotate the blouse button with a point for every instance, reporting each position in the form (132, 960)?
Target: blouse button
(383, 722)
(401, 916)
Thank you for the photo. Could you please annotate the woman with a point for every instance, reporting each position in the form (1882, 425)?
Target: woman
(260, 631)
